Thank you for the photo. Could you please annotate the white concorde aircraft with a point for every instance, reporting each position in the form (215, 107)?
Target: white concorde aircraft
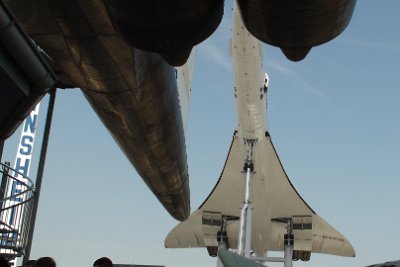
(254, 207)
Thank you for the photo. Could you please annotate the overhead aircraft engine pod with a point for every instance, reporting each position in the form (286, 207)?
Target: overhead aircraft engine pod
(296, 25)
(170, 28)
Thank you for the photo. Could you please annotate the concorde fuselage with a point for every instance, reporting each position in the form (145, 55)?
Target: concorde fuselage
(249, 81)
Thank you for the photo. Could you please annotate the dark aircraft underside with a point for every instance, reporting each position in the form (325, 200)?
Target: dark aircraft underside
(121, 54)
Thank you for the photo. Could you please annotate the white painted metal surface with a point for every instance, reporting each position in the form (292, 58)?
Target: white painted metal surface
(273, 195)
(247, 63)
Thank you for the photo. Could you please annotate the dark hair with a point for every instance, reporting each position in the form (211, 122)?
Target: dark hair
(45, 262)
(30, 263)
(103, 262)
(4, 262)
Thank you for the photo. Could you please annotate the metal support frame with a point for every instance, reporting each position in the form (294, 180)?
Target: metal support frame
(39, 178)
(221, 245)
(3, 186)
(1, 150)
(15, 212)
(222, 240)
(246, 212)
(289, 244)
(246, 220)
(287, 259)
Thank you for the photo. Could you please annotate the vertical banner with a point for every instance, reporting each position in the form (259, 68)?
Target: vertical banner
(13, 217)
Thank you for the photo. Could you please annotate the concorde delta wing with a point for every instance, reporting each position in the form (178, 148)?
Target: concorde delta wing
(275, 202)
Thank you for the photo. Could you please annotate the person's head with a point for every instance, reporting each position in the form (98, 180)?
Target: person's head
(30, 263)
(4, 262)
(103, 262)
(45, 262)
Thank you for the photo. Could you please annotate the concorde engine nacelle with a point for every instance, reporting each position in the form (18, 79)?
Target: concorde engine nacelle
(170, 28)
(296, 25)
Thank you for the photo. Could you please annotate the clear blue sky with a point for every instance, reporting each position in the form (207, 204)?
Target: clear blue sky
(334, 120)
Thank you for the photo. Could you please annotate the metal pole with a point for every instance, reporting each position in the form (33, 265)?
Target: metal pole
(221, 245)
(246, 220)
(39, 176)
(289, 244)
(4, 180)
(288, 256)
(1, 150)
(268, 259)
(246, 214)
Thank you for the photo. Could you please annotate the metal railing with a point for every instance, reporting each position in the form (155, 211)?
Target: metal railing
(16, 202)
